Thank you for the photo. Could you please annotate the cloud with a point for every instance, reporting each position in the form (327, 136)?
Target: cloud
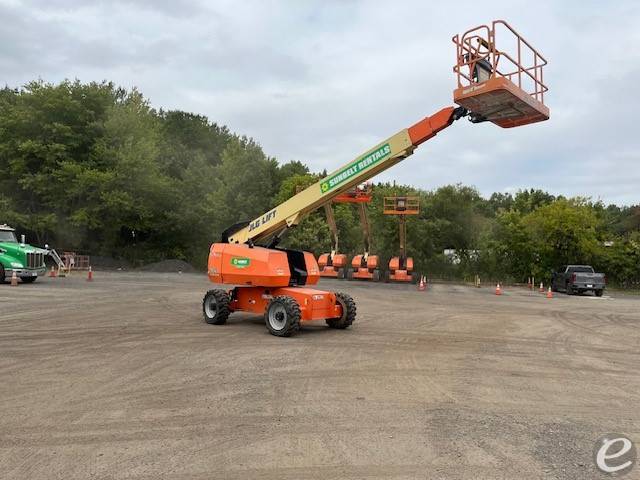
(323, 81)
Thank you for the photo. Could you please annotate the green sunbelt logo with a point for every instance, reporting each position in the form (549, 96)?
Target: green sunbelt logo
(356, 167)
(240, 262)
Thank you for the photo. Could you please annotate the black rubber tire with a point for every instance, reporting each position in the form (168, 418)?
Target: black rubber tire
(221, 299)
(341, 274)
(376, 275)
(554, 289)
(291, 316)
(568, 289)
(2, 273)
(349, 273)
(599, 292)
(348, 312)
(28, 279)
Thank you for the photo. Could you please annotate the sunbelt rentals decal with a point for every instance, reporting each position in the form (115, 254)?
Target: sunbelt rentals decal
(240, 262)
(356, 167)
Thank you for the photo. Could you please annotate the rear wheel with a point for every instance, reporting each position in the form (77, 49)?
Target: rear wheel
(215, 307)
(568, 289)
(349, 273)
(282, 316)
(348, 312)
(599, 293)
(28, 279)
(376, 275)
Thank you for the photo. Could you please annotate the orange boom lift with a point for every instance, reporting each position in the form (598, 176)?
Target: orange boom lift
(364, 266)
(401, 267)
(332, 265)
(493, 85)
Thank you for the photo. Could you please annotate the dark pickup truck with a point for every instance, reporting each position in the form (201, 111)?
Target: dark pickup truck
(577, 279)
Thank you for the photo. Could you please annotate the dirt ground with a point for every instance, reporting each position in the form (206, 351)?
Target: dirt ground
(121, 378)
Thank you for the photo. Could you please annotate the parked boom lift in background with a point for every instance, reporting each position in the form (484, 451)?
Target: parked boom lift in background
(364, 266)
(401, 267)
(492, 85)
(333, 265)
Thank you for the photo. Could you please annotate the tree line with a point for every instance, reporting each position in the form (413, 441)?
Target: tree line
(94, 168)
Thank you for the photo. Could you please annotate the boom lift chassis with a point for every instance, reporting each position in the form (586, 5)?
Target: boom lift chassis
(275, 282)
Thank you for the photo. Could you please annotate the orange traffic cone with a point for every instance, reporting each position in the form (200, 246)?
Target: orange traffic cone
(14, 279)
(498, 289)
(422, 286)
(90, 275)
(541, 287)
(52, 273)
(549, 293)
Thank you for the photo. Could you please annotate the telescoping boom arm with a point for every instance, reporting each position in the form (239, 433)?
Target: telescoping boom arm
(273, 223)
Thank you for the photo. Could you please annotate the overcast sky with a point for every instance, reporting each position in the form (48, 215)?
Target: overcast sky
(323, 81)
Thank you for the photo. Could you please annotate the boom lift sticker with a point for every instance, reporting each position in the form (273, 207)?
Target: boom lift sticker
(240, 262)
(356, 167)
(267, 217)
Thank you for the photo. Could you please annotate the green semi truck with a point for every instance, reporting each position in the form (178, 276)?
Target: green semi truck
(25, 260)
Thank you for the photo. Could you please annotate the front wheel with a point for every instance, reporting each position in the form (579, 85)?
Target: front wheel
(28, 279)
(599, 293)
(215, 307)
(348, 312)
(282, 316)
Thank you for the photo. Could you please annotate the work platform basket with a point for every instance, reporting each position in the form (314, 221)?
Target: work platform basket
(401, 206)
(500, 76)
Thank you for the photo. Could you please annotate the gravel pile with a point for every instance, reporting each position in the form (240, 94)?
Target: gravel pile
(168, 266)
(108, 263)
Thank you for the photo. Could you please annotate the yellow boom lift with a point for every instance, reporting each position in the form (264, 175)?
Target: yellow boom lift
(493, 85)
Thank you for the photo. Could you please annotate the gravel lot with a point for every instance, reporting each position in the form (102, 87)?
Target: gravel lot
(121, 378)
